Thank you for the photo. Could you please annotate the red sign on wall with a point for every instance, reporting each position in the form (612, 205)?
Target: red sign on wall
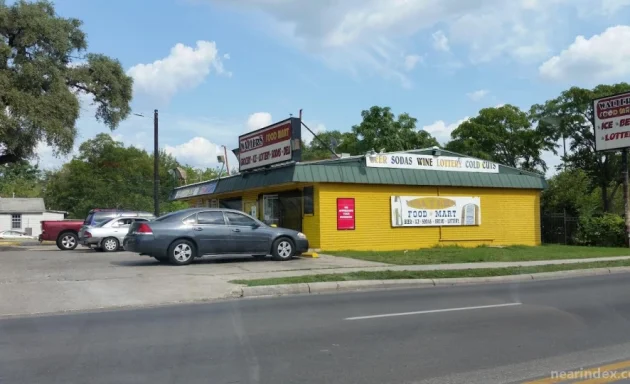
(345, 214)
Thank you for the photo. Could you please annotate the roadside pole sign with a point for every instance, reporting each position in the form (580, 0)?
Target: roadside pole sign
(611, 120)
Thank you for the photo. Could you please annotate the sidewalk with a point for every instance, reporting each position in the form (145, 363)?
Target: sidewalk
(428, 267)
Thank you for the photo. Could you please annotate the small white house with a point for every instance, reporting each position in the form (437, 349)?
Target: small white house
(25, 214)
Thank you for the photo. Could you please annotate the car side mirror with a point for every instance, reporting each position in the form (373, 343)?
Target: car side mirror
(255, 225)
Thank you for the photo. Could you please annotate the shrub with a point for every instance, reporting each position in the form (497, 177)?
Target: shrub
(607, 230)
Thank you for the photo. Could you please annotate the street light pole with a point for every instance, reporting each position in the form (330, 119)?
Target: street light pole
(156, 167)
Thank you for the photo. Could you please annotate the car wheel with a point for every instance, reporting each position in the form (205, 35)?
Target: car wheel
(110, 244)
(67, 241)
(259, 257)
(282, 249)
(181, 252)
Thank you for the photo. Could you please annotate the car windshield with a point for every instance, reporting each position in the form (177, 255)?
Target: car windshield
(88, 220)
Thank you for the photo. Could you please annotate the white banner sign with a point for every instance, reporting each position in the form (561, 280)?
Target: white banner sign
(430, 211)
(612, 122)
(437, 163)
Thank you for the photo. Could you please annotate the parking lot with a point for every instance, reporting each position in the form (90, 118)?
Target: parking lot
(43, 279)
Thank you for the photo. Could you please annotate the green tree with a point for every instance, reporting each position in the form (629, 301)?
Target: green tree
(106, 174)
(321, 149)
(381, 130)
(504, 135)
(44, 68)
(196, 175)
(21, 179)
(570, 191)
(570, 115)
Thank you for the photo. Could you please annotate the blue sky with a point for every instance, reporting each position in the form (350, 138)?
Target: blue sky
(217, 68)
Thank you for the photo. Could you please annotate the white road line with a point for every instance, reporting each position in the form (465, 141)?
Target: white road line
(432, 311)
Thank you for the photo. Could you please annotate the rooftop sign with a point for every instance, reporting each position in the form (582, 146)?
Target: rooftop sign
(269, 145)
(612, 122)
(195, 190)
(428, 162)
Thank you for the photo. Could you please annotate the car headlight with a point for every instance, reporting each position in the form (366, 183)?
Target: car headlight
(301, 235)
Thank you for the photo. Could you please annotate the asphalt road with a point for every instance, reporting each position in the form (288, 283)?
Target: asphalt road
(476, 334)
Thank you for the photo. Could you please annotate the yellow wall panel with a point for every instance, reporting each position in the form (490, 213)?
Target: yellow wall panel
(508, 217)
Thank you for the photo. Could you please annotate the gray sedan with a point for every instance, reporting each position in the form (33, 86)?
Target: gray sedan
(181, 236)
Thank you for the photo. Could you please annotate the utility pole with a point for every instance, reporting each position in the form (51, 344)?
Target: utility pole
(624, 172)
(227, 163)
(156, 167)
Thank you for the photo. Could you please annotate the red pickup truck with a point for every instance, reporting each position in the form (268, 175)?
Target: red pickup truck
(64, 232)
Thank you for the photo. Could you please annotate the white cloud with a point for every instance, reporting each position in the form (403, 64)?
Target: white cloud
(411, 61)
(440, 41)
(316, 127)
(441, 130)
(198, 151)
(184, 68)
(372, 36)
(47, 159)
(477, 95)
(258, 120)
(603, 57)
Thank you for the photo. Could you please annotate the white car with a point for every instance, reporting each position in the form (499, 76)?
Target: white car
(15, 235)
(108, 236)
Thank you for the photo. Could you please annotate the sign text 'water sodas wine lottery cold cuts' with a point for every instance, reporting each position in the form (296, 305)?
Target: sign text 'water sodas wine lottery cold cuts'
(612, 122)
(432, 211)
(426, 162)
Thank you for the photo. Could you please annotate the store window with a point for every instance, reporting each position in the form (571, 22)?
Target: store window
(309, 202)
(271, 210)
(16, 221)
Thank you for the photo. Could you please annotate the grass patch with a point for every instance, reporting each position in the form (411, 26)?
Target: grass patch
(454, 254)
(397, 275)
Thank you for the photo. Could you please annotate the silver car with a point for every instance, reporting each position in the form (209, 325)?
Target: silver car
(108, 235)
(98, 218)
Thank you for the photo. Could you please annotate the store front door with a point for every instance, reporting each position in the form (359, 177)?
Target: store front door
(291, 209)
(283, 209)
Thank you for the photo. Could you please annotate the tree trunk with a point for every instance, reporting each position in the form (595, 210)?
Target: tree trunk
(611, 198)
(605, 199)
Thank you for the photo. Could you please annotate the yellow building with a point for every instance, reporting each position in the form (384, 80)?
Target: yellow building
(393, 201)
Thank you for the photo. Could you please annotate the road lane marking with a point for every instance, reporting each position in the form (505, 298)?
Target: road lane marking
(572, 375)
(431, 311)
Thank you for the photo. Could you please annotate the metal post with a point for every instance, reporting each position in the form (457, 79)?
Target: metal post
(624, 170)
(156, 166)
(564, 217)
(227, 163)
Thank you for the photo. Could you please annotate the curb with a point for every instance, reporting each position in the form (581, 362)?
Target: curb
(349, 286)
